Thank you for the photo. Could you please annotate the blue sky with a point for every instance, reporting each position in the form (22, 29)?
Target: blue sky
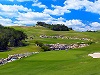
(81, 15)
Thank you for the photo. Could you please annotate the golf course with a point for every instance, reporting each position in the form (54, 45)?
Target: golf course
(55, 62)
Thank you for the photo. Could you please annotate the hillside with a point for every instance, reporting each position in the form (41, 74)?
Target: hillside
(71, 62)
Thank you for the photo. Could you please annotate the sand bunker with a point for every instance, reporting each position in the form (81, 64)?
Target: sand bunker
(95, 55)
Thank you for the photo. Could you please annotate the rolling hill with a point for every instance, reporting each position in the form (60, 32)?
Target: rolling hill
(71, 62)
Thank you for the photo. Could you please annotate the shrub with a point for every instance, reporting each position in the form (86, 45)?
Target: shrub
(39, 43)
(45, 48)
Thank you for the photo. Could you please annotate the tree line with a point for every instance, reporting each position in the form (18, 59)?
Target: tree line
(55, 27)
(9, 37)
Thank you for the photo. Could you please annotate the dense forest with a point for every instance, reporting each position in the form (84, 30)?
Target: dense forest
(10, 37)
(55, 27)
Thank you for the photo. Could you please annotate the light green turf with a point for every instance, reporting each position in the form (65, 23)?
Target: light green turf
(71, 62)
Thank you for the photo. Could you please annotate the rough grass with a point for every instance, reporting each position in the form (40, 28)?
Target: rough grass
(71, 62)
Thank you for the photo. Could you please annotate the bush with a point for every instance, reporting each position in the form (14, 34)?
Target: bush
(90, 42)
(39, 43)
(45, 48)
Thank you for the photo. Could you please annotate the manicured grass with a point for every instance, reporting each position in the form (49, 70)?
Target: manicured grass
(71, 62)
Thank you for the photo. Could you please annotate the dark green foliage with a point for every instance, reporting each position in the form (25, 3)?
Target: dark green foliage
(3, 42)
(90, 42)
(55, 27)
(10, 37)
(1, 26)
(70, 29)
(91, 31)
(40, 44)
(45, 48)
(41, 23)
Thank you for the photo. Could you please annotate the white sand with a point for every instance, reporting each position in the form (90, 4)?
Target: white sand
(95, 55)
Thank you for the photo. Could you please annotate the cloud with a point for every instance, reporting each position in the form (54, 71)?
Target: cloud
(74, 22)
(73, 4)
(95, 25)
(32, 17)
(20, 15)
(78, 25)
(12, 10)
(39, 4)
(89, 6)
(5, 21)
(58, 10)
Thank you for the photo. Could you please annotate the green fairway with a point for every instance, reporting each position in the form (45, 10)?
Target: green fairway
(71, 62)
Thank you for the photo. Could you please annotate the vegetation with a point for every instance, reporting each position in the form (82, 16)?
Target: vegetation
(55, 27)
(10, 37)
(40, 44)
(71, 62)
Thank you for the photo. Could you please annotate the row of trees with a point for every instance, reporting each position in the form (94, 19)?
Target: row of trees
(55, 27)
(10, 37)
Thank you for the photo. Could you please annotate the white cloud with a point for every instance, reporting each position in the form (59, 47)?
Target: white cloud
(5, 21)
(79, 26)
(32, 17)
(61, 19)
(23, 15)
(39, 4)
(12, 10)
(73, 4)
(95, 24)
(74, 23)
(89, 6)
(58, 10)
(57, 21)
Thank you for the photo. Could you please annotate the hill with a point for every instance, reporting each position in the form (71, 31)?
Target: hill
(71, 62)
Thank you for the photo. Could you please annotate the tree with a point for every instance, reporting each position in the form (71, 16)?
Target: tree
(3, 42)
(39, 43)
(45, 48)
(55, 27)
(10, 37)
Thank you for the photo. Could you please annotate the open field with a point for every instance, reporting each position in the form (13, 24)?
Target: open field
(71, 62)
